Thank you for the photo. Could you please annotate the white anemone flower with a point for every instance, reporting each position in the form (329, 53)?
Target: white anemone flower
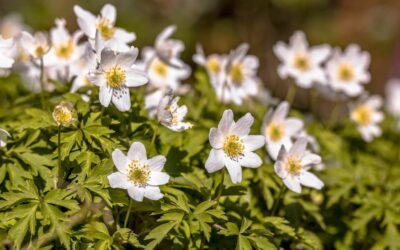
(167, 49)
(279, 130)
(3, 137)
(6, 47)
(293, 165)
(65, 49)
(139, 175)
(233, 147)
(301, 62)
(171, 115)
(81, 68)
(114, 77)
(365, 113)
(12, 25)
(241, 75)
(393, 98)
(36, 46)
(215, 66)
(104, 24)
(348, 71)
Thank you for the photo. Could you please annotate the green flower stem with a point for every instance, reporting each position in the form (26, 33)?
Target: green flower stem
(128, 213)
(278, 200)
(153, 139)
(221, 188)
(59, 169)
(291, 93)
(42, 82)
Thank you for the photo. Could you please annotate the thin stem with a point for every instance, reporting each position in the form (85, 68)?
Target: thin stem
(128, 213)
(42, 82)
(221, 188)
(60, 170)
(291, 93)
(278, 200)
(153, 139)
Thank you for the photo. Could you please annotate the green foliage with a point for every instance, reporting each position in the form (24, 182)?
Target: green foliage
(359, 207)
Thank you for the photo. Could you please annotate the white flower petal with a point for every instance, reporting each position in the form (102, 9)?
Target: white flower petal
(108, 59)
(234, 170)
(118, 180)
(158, 178)
(310, 180)
(281, 112)
(226, 122)
(309, 159)
(86, 21)
(120, 161)
(293, 126)
(216, 138)
(157, 163)
(127, 59)
(253, 142)
(250, 160)
(121, 99)
(215, 160)
(292, 183)
(137, 151)
(105, 95)
(153, 193)
(242, 126)
(136, 193)
(299, 147)
(280, 169)
(135, 77)
(108, 11)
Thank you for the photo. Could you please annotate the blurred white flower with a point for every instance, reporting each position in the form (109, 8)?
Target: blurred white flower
(65, 49)
(151, 101)
(36, 46)
(293, 165)
(3, 137)
(115, 75)
(215, 66)
(139, 175)
(171, 115)
(365, 113)
(104, 24)
(279, 130)
(393, 97)
(301, 62)
(12, 25)
(233, 147)
(6, 47)
(81, 68)
(162, 63)
(349, 70)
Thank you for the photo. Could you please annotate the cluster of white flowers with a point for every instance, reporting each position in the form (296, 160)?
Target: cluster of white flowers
(101, 54)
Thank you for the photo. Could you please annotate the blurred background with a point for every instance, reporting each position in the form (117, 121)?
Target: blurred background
(220, 25)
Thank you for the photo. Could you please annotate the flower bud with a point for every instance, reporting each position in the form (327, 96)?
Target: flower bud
(63, 114)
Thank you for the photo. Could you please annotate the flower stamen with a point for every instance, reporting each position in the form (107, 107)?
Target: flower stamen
(106, 28)
(362, 115)
(346, 73)
(275, 131)
(115, 77)
(293, 166)
(233, 147)
(138, 173)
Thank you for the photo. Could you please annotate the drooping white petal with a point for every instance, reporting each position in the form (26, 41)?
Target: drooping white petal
(121, 99)
(253, 142)
(234, 170)
(120, 160)
(310, 180)
(158, 178)
(157, 163)
(137, 151)
(292, 183)
(136, 193)
(105, 95)
(215, 160)
(153, 193)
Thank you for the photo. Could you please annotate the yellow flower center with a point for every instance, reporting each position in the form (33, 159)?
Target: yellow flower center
(115, 77)
(39, 51)
(160, 68)
(106, 28)
(275, 131)
(362, 115)
(63, 114)
(138, 173)
(233, 147)
(236, 73)
(345, 72)
(64, 50)
(293, 165)
(301, 62)
(213, 65)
